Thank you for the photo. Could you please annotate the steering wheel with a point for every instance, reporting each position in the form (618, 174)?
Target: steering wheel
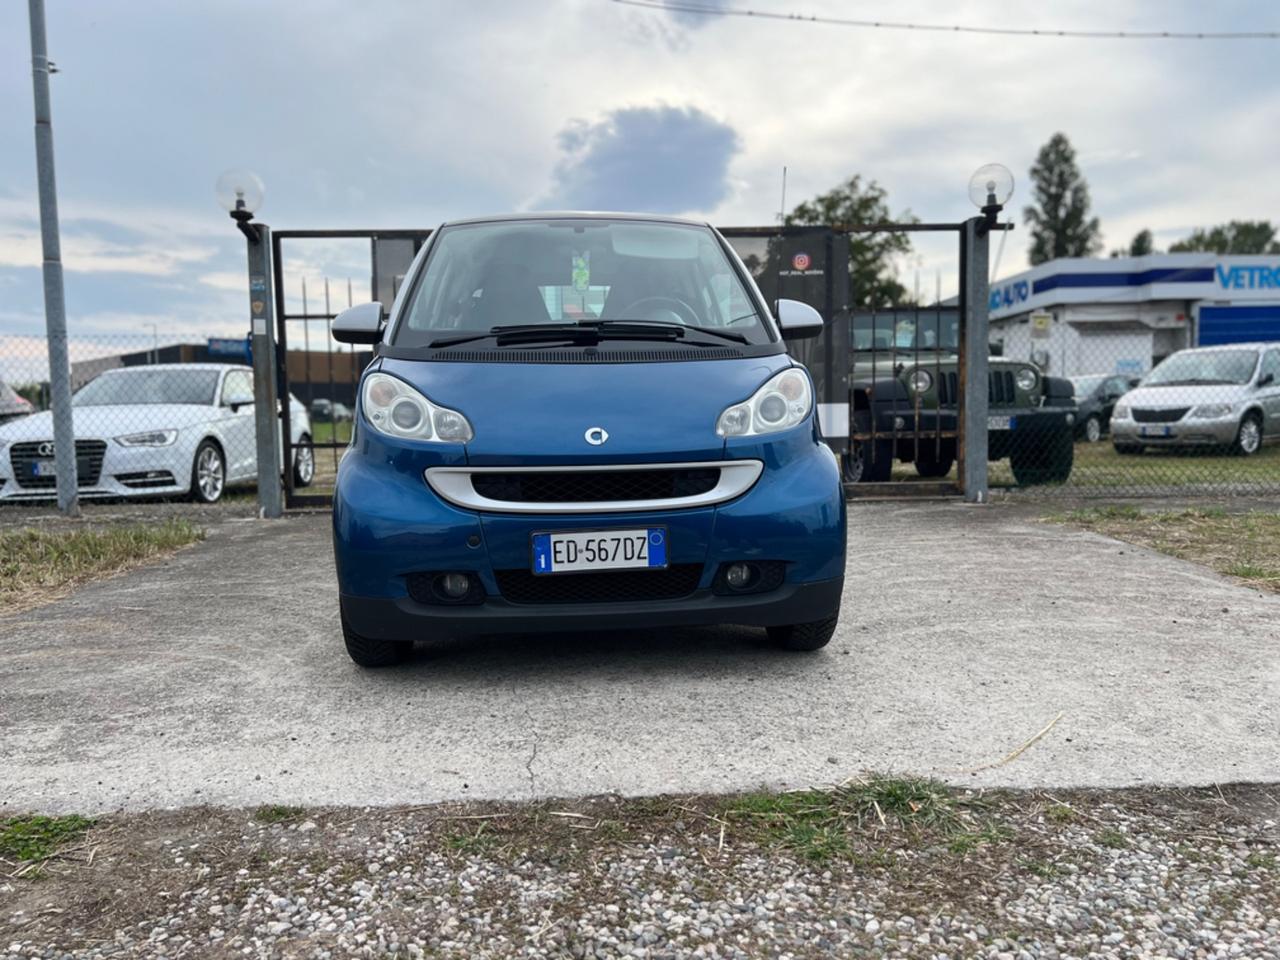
(687, 315)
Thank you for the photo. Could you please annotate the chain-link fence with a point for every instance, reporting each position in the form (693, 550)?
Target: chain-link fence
(154, 415)
(1110, 419)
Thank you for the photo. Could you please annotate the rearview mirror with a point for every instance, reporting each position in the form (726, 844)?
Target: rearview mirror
(798, 321)
(359, 324)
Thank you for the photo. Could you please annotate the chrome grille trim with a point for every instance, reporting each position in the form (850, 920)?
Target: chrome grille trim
(453, 484)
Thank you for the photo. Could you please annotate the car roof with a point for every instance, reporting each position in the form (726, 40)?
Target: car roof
(577, 215)
(1252, 345)
(180, 366)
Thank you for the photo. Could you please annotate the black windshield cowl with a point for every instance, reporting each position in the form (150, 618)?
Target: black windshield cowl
(589, 333)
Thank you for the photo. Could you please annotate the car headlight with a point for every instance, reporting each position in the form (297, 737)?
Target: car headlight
(1121, 412)
(1211, 411)
(393, 407)
(1026, 379)
(784, 400)
(920, 381)
(152, 438)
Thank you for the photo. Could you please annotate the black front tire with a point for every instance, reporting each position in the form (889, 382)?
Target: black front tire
(804, 636)
(208, 473)
(368, 652)
(304, 462)
(1248, 436)
(1042, 459)
(863, 464)
(1092, 428)
(931, 464)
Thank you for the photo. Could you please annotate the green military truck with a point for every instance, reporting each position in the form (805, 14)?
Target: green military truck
(904, 398)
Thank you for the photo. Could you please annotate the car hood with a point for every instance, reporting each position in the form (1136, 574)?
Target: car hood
(530, 413)
(103, 423)
(1158, 398)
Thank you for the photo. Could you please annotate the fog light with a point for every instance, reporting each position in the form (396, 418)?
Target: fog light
(455, 586)
(899, 423)
(1071, 418)
(738, 576)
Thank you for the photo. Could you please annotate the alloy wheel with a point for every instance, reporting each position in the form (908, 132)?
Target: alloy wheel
(209, 474)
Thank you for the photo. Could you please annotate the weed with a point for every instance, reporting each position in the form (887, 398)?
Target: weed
(37, 837)
(1061, 813)
(476, 844)
(966, 841)
(277, 813)
(1043, 869)
(1261, 861)
(1113, 839)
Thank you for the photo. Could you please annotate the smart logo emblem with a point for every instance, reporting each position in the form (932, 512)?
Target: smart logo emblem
(596, 436)
(801, 261)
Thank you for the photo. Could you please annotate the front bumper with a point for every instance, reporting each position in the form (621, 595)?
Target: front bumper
(389, 525)
(124, 472)
(1006, 426)
(1186, 432)
(404, 618)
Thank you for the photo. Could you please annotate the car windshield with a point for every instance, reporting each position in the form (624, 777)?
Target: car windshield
(578, 271)
(148, 385)
(1085, 386)
(907, 329)
(1204, 366)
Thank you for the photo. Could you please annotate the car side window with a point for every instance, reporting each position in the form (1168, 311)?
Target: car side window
(1271, 365)
(236, 384)
(1117, 386)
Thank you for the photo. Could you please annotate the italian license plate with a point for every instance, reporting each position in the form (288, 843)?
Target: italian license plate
(42, 468)
(1155, 431)
(600, 550)
(1001, 422)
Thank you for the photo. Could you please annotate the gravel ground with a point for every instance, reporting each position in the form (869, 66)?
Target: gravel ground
(237, 503)
(1011, 875)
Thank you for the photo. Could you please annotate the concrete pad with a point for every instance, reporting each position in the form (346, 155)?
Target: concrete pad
(220, 677)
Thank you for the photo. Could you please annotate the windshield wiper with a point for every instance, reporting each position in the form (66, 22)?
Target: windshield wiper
(588, 332)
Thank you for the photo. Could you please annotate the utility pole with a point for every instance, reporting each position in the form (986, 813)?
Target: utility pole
(55, 308)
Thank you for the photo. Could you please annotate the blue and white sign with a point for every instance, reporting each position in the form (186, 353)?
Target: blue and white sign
(1166, 276)
(230, 348)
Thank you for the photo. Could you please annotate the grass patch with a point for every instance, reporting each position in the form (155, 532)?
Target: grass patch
(475, 843)
(331, 432)
(1261, 861)
(817, 825)
(36, 564)
(966, 841)
(277, 813)
(1112, 839)
(38, 837)
(1244, 545)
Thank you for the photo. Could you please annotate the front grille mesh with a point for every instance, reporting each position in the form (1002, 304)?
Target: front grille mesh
(580, 486)
(89, 454)
(1000, 388)
(609, 586)
(1160, 416)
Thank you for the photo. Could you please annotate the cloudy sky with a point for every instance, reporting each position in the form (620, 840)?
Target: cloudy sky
(407, 112)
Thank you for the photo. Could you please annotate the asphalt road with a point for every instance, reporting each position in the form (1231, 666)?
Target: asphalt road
(219, 677)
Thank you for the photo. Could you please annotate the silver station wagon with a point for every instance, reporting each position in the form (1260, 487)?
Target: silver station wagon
(1225, 397)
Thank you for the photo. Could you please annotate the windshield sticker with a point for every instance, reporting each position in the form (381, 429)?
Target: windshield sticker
(582, 271)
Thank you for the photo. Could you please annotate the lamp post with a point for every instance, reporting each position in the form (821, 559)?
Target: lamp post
(989, 188)
(241, 193)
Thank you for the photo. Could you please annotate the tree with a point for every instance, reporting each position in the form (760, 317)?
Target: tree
(873, 280)
(1139, 246)
(1238, 236)
(1060, 222)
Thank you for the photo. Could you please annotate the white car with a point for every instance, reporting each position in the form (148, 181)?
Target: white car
(152, 431)
(1224, 397)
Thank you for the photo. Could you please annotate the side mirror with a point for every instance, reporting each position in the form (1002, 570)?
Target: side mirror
(1266, 379)
(238, 400)
(798, 321)
(358, 324)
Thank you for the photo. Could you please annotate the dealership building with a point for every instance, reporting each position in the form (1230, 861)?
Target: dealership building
(1126, 314)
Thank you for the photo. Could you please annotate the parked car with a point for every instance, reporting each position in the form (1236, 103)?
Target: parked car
(326, 411)
(1096, 397)
(1226, 397)
(906, 391)
(151, 431)
(13, 404)
(583, 421)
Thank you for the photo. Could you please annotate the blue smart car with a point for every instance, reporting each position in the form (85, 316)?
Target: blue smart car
(583, 421)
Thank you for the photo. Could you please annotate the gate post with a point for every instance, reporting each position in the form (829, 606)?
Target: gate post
(975, 354)
(266, 407)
